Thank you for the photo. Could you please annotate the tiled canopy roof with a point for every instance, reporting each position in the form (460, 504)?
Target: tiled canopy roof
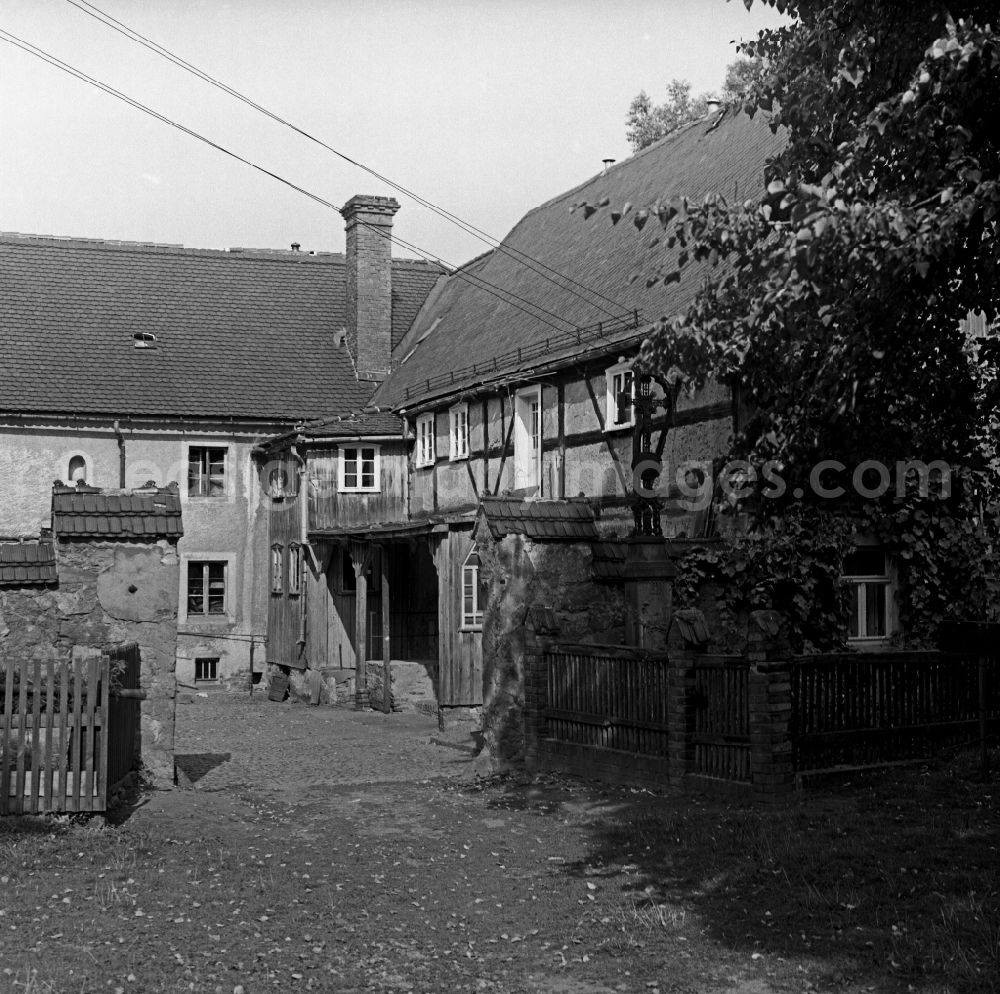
(242, 333)
(463, 323)
(90, 513)
(23, 563)
(609, 560)
(544, 520)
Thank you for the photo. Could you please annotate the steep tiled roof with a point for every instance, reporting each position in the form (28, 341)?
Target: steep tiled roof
(23, 563)
(238, 334)
(90, 513)
(545, 520)
(609, 560)
(462, 323)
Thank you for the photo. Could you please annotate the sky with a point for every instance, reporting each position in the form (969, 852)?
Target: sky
(484, 109)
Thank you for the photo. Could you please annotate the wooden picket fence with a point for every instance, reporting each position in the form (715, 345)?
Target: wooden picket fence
(67, 736)
(721, 718)
(610, 696)
(862, 709)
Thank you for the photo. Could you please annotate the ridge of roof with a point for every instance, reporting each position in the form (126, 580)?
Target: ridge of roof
(236, 252)
(651, 149)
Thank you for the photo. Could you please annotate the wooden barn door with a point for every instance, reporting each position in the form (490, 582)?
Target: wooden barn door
(460, 650)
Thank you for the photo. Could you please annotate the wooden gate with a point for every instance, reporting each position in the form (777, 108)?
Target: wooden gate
(61, 744)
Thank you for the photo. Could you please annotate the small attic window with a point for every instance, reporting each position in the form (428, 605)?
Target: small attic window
(144, 340)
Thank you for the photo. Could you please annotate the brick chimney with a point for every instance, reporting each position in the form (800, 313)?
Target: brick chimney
(368, 221)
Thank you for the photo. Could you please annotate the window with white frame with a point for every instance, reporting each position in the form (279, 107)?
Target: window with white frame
(359, 469)
(867, 573)
(277, 569)
(206, 588)
(294, 568)
(528, 438)
(425, 440)
(458, 432)
(473, 591)
(207, 471)
(620, 394)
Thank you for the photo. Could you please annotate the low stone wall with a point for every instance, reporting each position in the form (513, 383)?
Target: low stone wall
(108, 592)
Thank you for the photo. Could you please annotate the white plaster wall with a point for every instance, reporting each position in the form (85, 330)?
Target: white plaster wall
(214, 527)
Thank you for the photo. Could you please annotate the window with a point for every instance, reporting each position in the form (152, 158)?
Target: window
(76, 472)
(206, 669)
(359, 469)
(206, 588)
(206, 471)
(528, 438)
(621, 393)
(277, 484)
(866, 571)
(294, 568)
(144, 340)
(425, 440)
(277, 569)
(473, 591)
(458, 432)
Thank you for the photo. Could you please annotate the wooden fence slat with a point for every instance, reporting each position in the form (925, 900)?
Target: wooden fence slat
(7, 741)
(73, 793)
(36, 750)
(88, 747)
(63, 735)
(50, 728)
(103, 760)
(21, 737)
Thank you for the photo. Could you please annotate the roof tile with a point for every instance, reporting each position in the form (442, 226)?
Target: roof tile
(77, 514)
(463, 323)
(23, 563)
(235, 330)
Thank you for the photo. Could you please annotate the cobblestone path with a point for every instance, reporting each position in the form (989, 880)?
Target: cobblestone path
(228, 740)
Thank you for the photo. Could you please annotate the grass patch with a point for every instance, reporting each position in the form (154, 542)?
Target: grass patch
(891, 882)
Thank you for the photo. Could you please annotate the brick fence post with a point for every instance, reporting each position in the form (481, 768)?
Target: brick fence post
(540, 626)
(686, 640)
(769, 655)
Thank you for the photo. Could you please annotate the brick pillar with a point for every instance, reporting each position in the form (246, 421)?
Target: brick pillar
(771, 771)
(540, 627)
(687, 639)
(368, 222)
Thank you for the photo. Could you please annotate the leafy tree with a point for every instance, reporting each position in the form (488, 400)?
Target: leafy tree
(648, 122)
(837, 297)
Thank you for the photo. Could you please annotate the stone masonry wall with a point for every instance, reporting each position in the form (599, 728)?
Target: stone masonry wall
(107, 593)
(522, 575)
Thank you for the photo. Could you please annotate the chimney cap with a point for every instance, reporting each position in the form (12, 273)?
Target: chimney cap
(713, 103)
(608, 163)
(369, 204)
(296, 246)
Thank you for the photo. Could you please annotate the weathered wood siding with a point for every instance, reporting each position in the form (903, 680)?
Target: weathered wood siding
(329, 509)
(284, 611)
(460, 653)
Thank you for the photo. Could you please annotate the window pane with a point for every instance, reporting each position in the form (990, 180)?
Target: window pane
(865, 561)
(854, 624)
(875, 609)
(216, 588)
(196, 588)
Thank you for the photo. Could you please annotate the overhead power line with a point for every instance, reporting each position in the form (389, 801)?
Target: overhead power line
(523, 258)
(515, 300)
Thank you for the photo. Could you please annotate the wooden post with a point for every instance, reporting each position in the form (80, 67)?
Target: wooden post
(361, 559)
(386, 635)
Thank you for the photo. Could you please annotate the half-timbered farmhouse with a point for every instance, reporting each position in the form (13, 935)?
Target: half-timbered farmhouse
(513, 381)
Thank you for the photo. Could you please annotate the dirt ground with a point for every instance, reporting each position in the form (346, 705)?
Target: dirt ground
(328, 850)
